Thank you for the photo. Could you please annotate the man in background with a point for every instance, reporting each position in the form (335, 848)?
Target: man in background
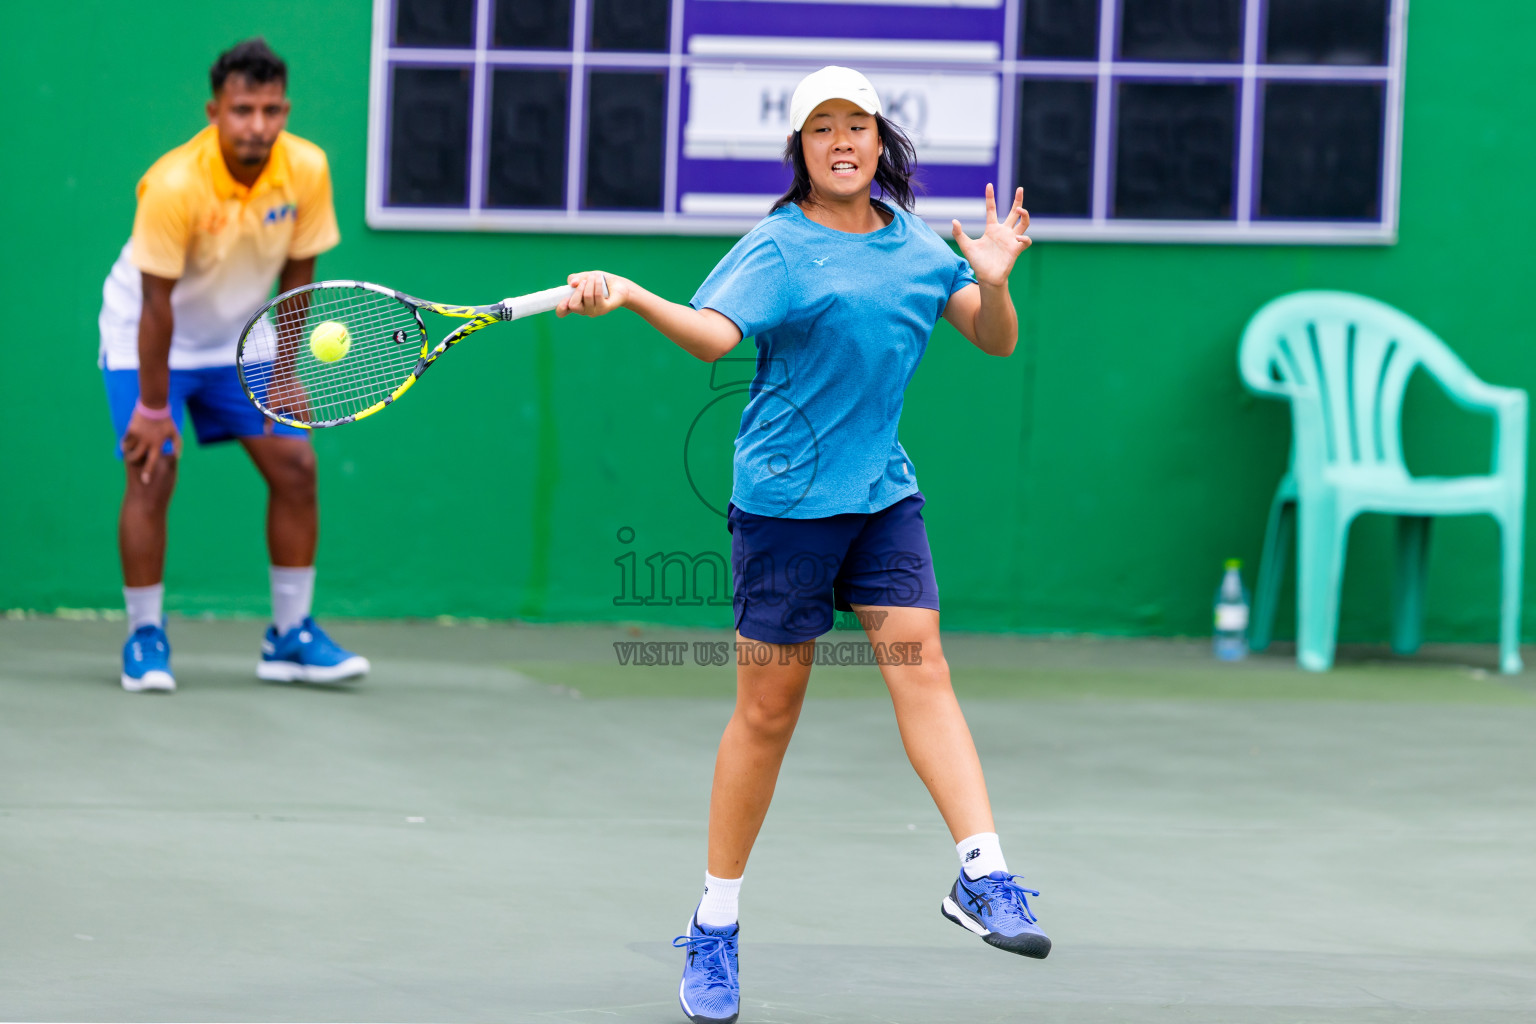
(240, 206)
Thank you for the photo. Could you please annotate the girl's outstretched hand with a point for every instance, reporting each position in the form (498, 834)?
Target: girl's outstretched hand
(991, 256)
(588, 298)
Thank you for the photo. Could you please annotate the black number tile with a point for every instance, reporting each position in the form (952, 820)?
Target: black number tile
(626, 122)
(441, 23)
(1055, 146)
(1174, 151)
(527, 138)
(1187, 30)
(1322, 149)
(632, 25)
(1060, 28)
(1326, 32)
(429, 137)
(532, 25)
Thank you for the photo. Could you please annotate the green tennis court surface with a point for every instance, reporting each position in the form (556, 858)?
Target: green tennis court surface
(505, 824)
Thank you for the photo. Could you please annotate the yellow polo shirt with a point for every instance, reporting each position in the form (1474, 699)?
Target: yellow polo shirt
(223, 243)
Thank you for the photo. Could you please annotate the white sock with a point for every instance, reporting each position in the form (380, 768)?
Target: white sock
(146, 605)
(718, 907)
(293, 590)
(980, 854)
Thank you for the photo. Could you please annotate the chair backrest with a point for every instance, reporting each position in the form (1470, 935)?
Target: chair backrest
(1343, 361)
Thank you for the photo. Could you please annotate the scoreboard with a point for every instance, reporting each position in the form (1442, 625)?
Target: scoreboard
(1124, 120)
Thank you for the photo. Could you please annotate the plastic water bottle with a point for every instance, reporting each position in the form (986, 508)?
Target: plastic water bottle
(1231, 639)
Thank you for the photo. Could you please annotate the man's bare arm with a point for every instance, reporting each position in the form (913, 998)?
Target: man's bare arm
(296, 273)
(155, 324)
(146, 435)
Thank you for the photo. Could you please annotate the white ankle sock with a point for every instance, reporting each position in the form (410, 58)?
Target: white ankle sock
(980, 854)
(718, 907)
(293, 590)
(146, 605)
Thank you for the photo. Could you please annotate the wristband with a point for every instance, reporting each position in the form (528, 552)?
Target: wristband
(151, 414)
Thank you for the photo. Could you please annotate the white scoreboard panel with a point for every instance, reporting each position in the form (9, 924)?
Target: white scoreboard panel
(1141, 120)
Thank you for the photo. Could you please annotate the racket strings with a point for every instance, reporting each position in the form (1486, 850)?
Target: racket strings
(293, 377)
(384, 345)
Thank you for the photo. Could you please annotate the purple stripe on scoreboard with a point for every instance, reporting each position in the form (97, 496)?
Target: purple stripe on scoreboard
(945, 181)
(855, 21)
(747, 177)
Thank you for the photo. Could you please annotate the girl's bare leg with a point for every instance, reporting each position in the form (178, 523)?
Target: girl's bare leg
(933, 729)
(768, 700)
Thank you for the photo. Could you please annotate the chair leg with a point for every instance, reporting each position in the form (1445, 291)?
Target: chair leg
(1512, 543)
(1322, 537)
(1266, 591)
(1408, 587)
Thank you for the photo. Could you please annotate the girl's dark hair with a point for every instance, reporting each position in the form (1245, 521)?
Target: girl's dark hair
(896, 174)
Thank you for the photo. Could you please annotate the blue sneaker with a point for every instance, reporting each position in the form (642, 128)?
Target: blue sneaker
(711, 990)
(305, 654)
(994, 907)
(147, 661)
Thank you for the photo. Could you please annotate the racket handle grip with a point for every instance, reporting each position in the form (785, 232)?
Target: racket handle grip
(540, 302)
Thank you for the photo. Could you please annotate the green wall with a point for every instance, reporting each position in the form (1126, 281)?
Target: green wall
(1092, 482)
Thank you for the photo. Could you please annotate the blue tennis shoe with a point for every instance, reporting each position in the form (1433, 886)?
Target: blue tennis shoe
(305, 654)
(147, 661)
(994, 906)
(711, 990)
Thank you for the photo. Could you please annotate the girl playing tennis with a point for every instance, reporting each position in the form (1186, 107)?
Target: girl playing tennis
(841, 292)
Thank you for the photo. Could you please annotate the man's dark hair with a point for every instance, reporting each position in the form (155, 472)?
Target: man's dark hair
(895, 174)
(253, 60)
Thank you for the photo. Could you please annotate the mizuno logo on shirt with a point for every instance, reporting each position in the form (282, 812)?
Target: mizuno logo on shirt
(821, 261)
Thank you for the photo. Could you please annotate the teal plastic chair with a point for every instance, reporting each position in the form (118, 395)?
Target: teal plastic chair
(1343, 362)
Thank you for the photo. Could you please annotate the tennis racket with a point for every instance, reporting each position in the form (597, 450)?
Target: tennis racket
(334, 352)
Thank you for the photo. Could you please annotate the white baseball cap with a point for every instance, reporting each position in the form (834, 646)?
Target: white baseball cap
(831, 83)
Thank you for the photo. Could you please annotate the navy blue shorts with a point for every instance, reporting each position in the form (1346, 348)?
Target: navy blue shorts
(792, 575)
(220, 411)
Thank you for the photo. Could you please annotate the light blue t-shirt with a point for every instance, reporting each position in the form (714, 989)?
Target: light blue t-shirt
(841, 322)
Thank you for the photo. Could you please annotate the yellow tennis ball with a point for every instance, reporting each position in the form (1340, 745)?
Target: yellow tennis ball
(330, 341)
